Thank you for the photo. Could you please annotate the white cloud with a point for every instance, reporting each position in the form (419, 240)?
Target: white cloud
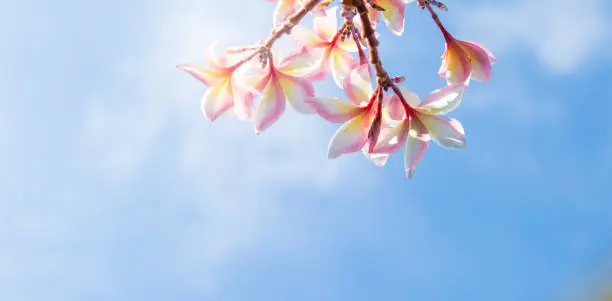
(564, 35)
(517, 106)
(67, 236)
(238, 183)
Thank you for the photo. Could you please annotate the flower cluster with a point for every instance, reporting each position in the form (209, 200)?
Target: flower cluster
(379, 116)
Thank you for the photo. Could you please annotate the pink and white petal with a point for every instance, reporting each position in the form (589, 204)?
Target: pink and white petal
(284, 9)
(358, 24)
(217, 100)
(303, 36)
(341, 64)
(358, 85)
(257, 82)
(378, 159)
(444, 65)
(299, 63)
(485, 49)
(459, 66)
(392, 140)
(350, 137)
(333, 109)
(410, 97)
(271, 106)
(393, 15)
(395, 109)
(416, 145)
(319, 11)
(326, 27)
(219, 57)
(214, 57)
(374, 15)
(297, 90)
(347, 44)
(243, 103)
(319, 72)
(448, 133)
(444, 100)
(481, 63)
(207, 77)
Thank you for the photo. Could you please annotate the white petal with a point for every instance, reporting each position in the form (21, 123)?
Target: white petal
(443, 101)
(446, 132)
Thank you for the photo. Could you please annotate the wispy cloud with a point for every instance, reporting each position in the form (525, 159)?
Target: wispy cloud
(236, 184)
(563, 35)
(518, 106)
(221, 193)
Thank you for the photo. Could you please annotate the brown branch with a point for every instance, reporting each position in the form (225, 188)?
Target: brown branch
(382, 76)
(370, 35)
(264, 49)
(291, 22)
(436, 19)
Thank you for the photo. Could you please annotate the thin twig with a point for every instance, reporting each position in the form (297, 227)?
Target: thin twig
(278, 32)
(370, 35)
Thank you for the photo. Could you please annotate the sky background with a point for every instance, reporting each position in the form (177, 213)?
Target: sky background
(114, 187)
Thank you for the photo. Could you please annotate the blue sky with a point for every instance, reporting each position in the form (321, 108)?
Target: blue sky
(114, 187)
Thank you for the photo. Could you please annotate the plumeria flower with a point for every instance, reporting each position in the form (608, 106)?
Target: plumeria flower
(358, 115)
(286, 8)
(287, 80)
(224, 92)
(393, 14)
(464, 60)
(419, 123)
(336, 55)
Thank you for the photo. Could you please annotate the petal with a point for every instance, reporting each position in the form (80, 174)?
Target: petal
(271, 106)
(213, 58)
(480, 59)
(416, 145)
(446, 132)
(358, 85)
(217, 100)
(341, 63)
(374, 16)
(456, 66)
(444, 65)
(410, 97)
(378, 159)
(443, 101)
(318, 11)
(299, 63)
(326, 27)
(258, 82)
(350, 137)
(347, 44)
(243, 103)
(358, 24)
(296, 91)
(305, 37)
(207, 77)
(218, 57)
(393, 15)
(485, 49)
(284, 9)
(318, 73)
(392, 140)
(395, 109)
(333, 109)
